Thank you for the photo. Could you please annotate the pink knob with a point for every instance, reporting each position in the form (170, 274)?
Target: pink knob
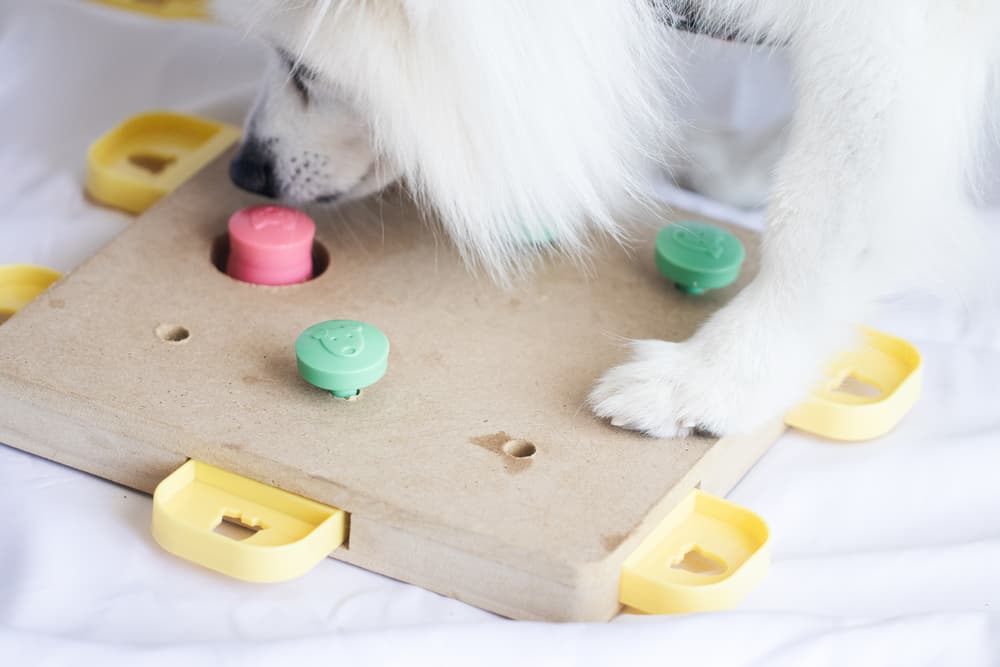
(270, 245)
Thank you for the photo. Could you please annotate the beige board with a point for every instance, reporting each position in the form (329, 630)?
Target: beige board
(419, 460)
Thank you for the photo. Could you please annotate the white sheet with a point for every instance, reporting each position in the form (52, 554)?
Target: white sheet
(884, 553)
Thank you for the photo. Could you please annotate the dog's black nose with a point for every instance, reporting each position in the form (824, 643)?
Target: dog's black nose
(253, 170)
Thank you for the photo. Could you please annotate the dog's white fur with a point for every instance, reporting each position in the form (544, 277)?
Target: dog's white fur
(527, 117)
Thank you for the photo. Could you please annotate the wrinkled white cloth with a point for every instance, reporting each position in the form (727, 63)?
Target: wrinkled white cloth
(885, 553)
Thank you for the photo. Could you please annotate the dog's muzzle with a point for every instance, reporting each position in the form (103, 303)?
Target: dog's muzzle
(252, 169)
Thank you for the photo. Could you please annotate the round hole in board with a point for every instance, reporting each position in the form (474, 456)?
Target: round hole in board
(519, 449)
(172, 333)
(220, 256)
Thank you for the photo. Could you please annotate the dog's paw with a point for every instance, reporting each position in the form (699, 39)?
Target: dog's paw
(671, 390)
(658, 393)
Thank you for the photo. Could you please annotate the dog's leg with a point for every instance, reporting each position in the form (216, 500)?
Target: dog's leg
(869, 193)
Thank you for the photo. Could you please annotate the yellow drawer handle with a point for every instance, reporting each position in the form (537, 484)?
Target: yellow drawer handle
(287, 534)
(150, 155)
(866, 391)
(20, 284)
(706, 555)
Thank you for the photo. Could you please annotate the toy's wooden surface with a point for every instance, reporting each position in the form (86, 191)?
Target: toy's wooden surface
(418, 461)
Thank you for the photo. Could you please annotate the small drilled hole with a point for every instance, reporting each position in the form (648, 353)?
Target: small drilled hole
(697, 561)
(154, 164)
(234, 528)
(220, 256)
(855, 386)
(172, 333)
(519, 449)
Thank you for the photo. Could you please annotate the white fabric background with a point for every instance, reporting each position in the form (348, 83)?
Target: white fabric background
(885, 553)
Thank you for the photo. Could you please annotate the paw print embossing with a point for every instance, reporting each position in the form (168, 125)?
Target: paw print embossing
(344, 340)
(706, 241)
(272, 216)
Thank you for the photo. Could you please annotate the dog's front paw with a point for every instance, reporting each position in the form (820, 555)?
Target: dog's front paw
(658, 393)
(670, 390)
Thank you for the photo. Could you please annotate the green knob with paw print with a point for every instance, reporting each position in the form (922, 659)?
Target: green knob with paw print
(342, 356)
(698, 256)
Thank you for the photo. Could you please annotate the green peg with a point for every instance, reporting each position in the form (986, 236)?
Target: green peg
(697, 256)
(342, 356)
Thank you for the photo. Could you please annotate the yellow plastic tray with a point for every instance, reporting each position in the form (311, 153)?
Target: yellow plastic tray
(886, 372)
(167, 9)
(706, 555)
(150, 155)
(286, 534)
(20, 284)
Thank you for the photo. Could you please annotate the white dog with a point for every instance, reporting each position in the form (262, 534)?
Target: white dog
(503, 114)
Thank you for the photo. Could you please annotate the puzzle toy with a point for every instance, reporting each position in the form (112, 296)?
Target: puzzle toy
(236, 358)
(472, 467)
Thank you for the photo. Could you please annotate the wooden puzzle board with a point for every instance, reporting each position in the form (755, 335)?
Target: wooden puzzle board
(418, 460)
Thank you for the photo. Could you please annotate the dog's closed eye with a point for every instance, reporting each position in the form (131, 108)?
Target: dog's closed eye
(300, 75)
